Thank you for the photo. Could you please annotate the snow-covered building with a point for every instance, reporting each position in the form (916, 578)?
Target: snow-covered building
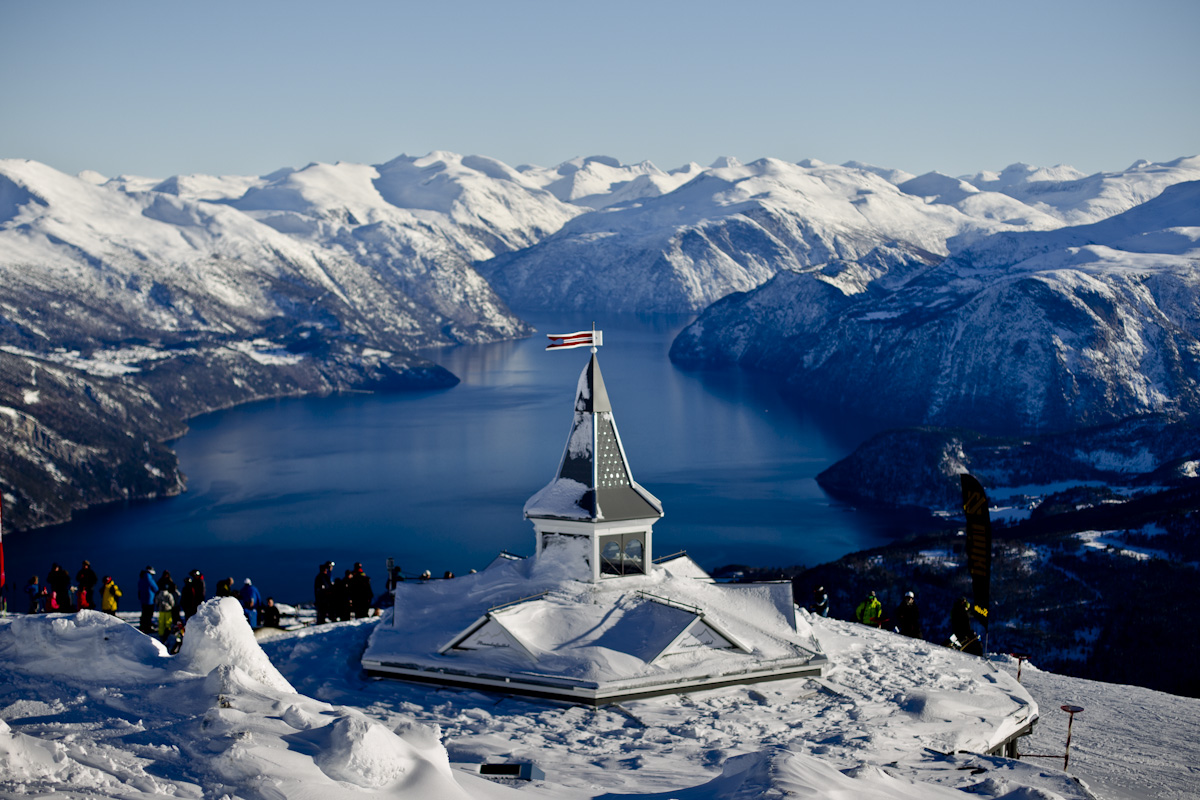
(593, 501)
(591, 617)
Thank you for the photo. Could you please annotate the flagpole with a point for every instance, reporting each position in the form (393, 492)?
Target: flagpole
(3, 582)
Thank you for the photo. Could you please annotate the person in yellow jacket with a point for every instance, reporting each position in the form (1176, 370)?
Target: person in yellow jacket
(870, 611)
(108, 596)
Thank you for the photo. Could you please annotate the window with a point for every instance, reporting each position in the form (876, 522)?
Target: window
(623, 554)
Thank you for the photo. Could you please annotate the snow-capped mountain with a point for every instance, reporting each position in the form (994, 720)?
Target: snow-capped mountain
(599, 181)
(1076, 198)
(129, 264)
(183, 295)
(1025, 331)
(199, 292)
(732, 227)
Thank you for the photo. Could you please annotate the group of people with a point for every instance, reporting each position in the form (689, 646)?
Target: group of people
(165, 606)
(907, 616)
(347, 597)
(351, 596)
(58, 593)
(906, 619)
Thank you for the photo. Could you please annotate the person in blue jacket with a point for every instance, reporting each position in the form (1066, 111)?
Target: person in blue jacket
(34, 591)
(147, 594)
(251, 602)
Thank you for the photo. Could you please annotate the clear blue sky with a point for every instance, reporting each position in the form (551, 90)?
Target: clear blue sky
(161, 88)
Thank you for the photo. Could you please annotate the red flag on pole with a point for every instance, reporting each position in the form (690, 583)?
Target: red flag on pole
(565, 341)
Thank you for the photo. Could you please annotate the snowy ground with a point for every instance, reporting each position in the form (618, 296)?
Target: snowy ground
(91, 708)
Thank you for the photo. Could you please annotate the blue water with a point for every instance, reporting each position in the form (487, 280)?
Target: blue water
(437, 479)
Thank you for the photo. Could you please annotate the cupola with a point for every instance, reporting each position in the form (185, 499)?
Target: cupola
(593, 506)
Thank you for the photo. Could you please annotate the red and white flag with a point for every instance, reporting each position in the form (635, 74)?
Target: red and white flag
(565, 341)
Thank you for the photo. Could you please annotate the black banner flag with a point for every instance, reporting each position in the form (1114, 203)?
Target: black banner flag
(979, 543)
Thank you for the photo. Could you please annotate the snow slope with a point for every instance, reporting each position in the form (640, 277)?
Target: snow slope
(91, 708)
(102, 711)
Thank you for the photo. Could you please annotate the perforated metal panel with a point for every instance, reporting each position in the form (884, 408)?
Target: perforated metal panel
(611, 469)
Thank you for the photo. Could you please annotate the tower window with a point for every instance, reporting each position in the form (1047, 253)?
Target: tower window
(623, 554)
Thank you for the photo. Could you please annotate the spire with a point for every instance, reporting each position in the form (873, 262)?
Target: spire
(591, 396)
(594, 481)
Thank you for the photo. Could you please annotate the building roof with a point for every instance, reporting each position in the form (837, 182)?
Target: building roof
(594, 482)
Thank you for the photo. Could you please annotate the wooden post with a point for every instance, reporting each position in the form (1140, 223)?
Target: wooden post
(1072, 710)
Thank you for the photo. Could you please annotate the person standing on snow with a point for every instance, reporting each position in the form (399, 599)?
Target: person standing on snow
(165, 604)
(86, 580)
(251, 602)
(193, 593)
(323, 592)
(960, 625)
(342, 602)
(109, 593)
(34, 590)
(359, 587)
(50, 602)
(820, 602)
(167, 583)
(908, 617)
(870, 611)
(147, 594)
(59, 584)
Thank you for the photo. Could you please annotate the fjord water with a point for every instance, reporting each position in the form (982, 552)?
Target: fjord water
(437, 479)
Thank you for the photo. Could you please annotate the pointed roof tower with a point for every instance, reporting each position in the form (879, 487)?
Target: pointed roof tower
(594, 495)
(594, 481)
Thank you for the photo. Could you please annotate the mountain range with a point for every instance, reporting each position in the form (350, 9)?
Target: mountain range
(1019, 332)
(131, 304)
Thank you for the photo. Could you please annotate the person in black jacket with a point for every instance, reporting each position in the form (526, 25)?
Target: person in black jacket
(908, 617)
(820, 602)
(361, 594)
(86, 580)
(59, 583)
(341, 604)
(960, 625)
(193, 593)
(323, 593)
(270, 614)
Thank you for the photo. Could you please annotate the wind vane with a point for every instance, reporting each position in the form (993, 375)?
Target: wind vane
(565, 341)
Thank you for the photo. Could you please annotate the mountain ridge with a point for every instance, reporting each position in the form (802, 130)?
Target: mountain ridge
(976, 339)
(328, 277)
